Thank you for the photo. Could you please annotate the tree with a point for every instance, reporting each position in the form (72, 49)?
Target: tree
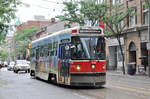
(3, 55)
(79, 12)
(23, 38)
(147, 3)
(7, 12)
(115, 25)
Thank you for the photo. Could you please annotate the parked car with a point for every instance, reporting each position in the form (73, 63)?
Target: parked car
(21, 65)
(5, 63)
(11, 65)
(1, 65)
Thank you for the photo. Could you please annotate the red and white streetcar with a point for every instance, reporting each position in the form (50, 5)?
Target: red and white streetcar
(74, 57)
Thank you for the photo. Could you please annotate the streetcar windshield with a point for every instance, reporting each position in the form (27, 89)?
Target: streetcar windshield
(86, 48)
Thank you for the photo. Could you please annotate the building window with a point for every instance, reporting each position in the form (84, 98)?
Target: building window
(117, 1)
(133, 17)
(145, 15)
(121, 24)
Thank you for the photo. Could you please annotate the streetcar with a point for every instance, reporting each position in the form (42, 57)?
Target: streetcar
(74, 56)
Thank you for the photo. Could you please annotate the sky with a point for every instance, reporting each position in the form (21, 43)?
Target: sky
(47, 8)
(29, 8)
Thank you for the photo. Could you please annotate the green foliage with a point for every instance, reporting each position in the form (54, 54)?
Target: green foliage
(3, 55)
(92, 11)
(26, 34)
(7, 12)
(147, 3)
(114, 20)
(79, 12)
(71, 14)
(23, 38)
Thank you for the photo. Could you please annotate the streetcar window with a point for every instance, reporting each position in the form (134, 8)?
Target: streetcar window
(37, 53)
(50, 46)
(88, 48)
(64, 52)
(31, 52)
(52, 53)
(41, 51)
(45, 51)
(55, 45)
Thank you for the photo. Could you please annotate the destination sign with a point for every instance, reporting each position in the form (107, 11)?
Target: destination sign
(91, 31)
(65, 40)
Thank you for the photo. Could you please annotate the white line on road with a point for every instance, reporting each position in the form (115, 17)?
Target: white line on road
(84, 97)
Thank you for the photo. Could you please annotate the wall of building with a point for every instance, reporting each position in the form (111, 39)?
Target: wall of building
(133, 38)
(136, 34)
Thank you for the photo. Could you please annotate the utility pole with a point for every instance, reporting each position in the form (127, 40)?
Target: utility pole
(148, 44)
(149, 41)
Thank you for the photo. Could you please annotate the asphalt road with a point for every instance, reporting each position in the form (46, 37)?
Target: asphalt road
(22, 86)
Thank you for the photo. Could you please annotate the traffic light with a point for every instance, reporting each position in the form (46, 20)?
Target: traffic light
(28, 51)
(29, 45)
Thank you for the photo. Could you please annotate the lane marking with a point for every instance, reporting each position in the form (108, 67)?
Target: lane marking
(131, 90)
(85, 97)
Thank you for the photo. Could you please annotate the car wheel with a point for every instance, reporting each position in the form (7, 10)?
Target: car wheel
(16, 71)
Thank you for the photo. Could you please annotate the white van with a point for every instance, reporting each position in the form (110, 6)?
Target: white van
(21, 65)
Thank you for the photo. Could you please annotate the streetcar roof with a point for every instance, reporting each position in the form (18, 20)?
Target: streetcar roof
(66, 31)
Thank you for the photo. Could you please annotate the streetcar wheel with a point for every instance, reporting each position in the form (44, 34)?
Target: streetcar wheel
(32, 73)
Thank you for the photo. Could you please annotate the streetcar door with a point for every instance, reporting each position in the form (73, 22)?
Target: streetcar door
(65, 64)
(37, 60)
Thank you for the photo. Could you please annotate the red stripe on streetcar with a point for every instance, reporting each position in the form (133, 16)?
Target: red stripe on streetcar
(86, 66)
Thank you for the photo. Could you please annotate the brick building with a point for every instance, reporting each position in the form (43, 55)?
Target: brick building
(29, 24)
(134, 38)
(55, 26)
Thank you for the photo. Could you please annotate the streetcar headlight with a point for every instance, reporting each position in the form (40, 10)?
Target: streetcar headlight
(78, 67)
(104, 66)
(93, 66)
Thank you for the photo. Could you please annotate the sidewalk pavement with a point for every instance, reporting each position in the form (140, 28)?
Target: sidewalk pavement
(120, 73)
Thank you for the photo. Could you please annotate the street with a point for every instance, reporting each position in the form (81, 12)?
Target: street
(22, 86)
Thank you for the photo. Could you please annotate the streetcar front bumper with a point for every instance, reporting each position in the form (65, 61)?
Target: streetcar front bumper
(88, 79)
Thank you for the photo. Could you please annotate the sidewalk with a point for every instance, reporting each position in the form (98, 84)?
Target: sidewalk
(120, 74)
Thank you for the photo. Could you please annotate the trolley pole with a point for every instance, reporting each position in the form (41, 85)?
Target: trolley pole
(148, 44)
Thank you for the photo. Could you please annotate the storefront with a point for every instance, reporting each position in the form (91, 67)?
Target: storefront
(114, 53)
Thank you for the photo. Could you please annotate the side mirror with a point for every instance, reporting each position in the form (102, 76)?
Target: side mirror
(67, 47)
(72, 46)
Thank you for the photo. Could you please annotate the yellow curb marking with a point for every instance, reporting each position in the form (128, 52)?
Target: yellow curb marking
(131, 90)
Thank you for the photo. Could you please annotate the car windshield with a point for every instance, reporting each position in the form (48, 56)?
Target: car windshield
(21, 62)
(12, 63)
(88, 48)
